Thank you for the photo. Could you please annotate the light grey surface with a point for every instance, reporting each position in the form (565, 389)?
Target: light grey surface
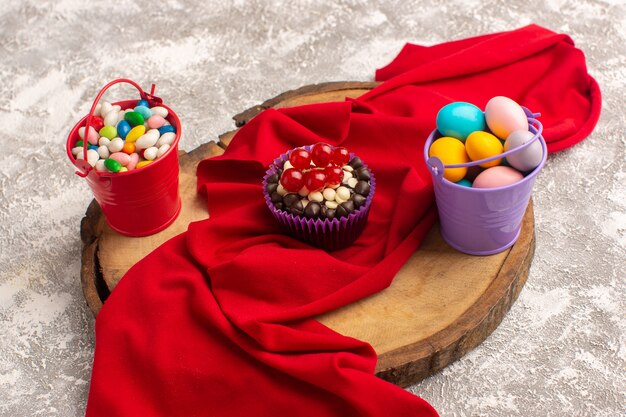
(561, 349)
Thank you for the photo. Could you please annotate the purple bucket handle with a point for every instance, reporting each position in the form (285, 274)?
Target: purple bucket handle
(437, 167)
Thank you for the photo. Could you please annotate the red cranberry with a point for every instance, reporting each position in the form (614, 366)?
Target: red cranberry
(334, 175)
(314, 180)
(321, 154)
(300, 158)
(340, 156)
(292, 180)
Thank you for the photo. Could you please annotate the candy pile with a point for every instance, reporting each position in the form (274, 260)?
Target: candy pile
(124, 140)
(470, 134)
(321, 183)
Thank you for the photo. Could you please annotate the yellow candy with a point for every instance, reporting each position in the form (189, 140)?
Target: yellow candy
(142, 164)
(450, 151)
(480, 145)
(135, 133)
(124, 169)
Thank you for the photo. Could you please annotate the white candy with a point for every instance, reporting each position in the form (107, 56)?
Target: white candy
(111, 118)
(316, 196)
(103, 151)
(162, 150)
(329, 194)
(347, 168)
(116, 107)
(331, 204)
(151, 153)
(92, 157)
(149, 139)
(123, 169)
(161, 111)
(166, 139)
(105, 107)
(116, 145)
(346, 177)
(104, 141)
(287, 165)
(100, 167)
(81, 132)
(352, 182)
(281, 190)
(120, 117)
(77, 150)
(80, 155)
(305, 202)
(96, 112)
(343, 193)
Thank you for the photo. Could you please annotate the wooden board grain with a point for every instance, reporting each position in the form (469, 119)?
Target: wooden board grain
(441, 304)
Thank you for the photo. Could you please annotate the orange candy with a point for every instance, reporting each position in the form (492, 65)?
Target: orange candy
(128, 148)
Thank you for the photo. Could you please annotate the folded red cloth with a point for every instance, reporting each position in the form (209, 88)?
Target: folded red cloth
(218, 321)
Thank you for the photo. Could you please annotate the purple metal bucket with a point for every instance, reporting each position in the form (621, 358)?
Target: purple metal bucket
(483, 221)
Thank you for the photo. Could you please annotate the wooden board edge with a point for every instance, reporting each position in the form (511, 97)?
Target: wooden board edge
(245, 116)
(94, 294)
(404, 367)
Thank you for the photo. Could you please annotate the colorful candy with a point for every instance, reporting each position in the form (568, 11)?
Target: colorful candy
(450, 151)
(504, 116)
(503, 127)
(459, 119)
(525, 159)
(481, 145)
(118, 140)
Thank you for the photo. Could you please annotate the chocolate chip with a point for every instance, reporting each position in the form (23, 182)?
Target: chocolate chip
(363, 174)
(323, 211)
(356, 162)
(312, 210)
(297, 208)
(271, 187)
(273, 179)
(341, 210)
(276, 198)
(330, 214)
(279, 205)
(348, 205)
(358, 199)
(363, 188)
(290, 199)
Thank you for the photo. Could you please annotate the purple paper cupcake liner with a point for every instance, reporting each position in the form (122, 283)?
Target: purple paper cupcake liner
(323, 233)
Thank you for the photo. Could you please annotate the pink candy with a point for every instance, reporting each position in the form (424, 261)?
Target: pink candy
(121, 157)
(156, 121)
(134, 158)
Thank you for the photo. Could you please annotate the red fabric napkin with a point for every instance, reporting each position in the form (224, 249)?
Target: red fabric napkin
(218, 320)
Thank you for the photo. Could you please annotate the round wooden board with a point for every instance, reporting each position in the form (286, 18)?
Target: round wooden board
(441, 304)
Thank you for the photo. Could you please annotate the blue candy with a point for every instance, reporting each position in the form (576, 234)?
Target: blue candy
(464, 182)
(143, 103)
(94, 147)
(459, 119)
(166, 129)
(144, 111)
(123, 128)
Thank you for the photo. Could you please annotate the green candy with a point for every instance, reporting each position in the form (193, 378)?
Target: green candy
(134, 118)
(79, 143)
(112, 165)
(108, 132)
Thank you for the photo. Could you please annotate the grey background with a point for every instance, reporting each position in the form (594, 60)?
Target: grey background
(560, 351)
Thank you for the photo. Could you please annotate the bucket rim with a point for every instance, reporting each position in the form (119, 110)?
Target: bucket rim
(528, 177)
(74, 133)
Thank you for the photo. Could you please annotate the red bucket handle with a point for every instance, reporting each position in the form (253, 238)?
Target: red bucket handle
(150, 98)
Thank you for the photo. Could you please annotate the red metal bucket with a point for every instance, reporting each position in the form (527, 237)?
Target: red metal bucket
(140, 202)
